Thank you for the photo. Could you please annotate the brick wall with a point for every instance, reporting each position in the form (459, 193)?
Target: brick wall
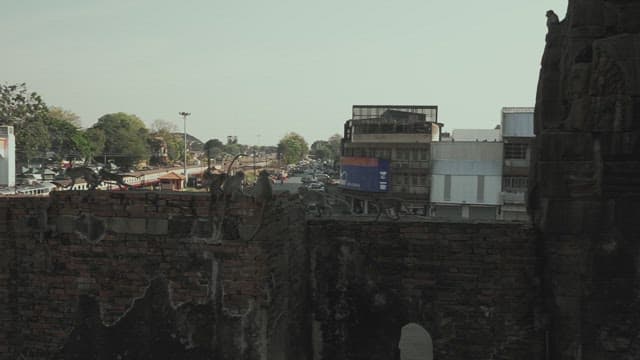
(108, 274)
(84, 273)
(473, 287)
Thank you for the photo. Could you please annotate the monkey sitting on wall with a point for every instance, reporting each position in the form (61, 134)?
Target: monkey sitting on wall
(232, 186)
(262, 194)
(552, 18)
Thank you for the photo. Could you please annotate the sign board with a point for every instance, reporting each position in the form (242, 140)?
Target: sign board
(365, 174)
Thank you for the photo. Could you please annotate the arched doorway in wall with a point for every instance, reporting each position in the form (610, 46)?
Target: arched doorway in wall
(415, 343)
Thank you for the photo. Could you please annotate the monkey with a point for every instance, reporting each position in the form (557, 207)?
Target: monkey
(232, 186)
(552, 18)
(117, 178)
(214, 182)
(231, 190)
(263, 194)
(90, 177)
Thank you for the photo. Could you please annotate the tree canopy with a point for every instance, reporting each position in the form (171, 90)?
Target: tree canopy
(59, 113)
(212, 149)
(327, 150)
(292, 148)
(125, 138)
(27, 113)
(166, 131)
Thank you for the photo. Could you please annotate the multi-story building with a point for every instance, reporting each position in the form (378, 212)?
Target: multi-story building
(399, 138)
(466, 179)
(517, 134)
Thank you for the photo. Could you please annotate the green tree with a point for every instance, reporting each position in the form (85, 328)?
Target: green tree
(335, 144)
(160, 125)
(212, 149)
(292, 148)
(321, 150)
(234, 148)
(327, 150)
(126, 137)
(96, 140)
(61, 135)
(32, 140)
(167, 131)
(27, 113)
(83, 146)
(59, 113)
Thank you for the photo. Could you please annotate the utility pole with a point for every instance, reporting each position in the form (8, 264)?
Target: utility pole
(184, 118)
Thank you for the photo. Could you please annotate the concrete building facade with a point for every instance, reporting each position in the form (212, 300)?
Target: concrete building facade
(517, 134)
(466, 179)
(402, 135)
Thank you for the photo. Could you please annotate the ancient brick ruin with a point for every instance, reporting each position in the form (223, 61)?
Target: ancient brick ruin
(585, 197)
(131, 275)
(165, 275)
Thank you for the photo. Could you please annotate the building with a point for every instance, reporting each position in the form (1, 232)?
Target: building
(391, 146)
(476, 135)
(7, 157)
(517, 134)
(466, 179)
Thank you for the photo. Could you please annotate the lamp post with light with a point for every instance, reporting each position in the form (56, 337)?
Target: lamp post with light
(184, 118)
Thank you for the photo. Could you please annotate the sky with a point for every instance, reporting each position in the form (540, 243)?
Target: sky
(260, 69)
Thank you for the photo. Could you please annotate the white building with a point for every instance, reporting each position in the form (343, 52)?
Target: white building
(7, 157)
(517, 134)
(476, 135)
(466, 179)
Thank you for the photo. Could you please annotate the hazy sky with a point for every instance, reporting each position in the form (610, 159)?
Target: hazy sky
(259, 69)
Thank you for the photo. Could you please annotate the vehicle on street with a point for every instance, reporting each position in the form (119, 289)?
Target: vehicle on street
(315, 186)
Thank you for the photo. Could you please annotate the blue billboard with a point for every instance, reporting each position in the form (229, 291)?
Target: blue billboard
(365, 174)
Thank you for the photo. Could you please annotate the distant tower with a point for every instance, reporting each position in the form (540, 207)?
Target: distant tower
(7, 156)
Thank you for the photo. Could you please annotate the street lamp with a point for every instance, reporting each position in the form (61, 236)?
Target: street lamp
(184, 118)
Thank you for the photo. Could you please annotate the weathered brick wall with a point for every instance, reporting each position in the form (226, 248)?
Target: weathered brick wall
(100, 274)
(473, 286)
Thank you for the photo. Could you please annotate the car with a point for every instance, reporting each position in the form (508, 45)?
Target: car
(307, 179)
(315, 186)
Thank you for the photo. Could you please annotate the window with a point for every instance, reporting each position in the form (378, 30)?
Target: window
(515, 183)
(515, 151)
(480, 189)
(447, 188)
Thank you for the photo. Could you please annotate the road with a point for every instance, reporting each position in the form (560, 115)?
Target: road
(291, 184)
